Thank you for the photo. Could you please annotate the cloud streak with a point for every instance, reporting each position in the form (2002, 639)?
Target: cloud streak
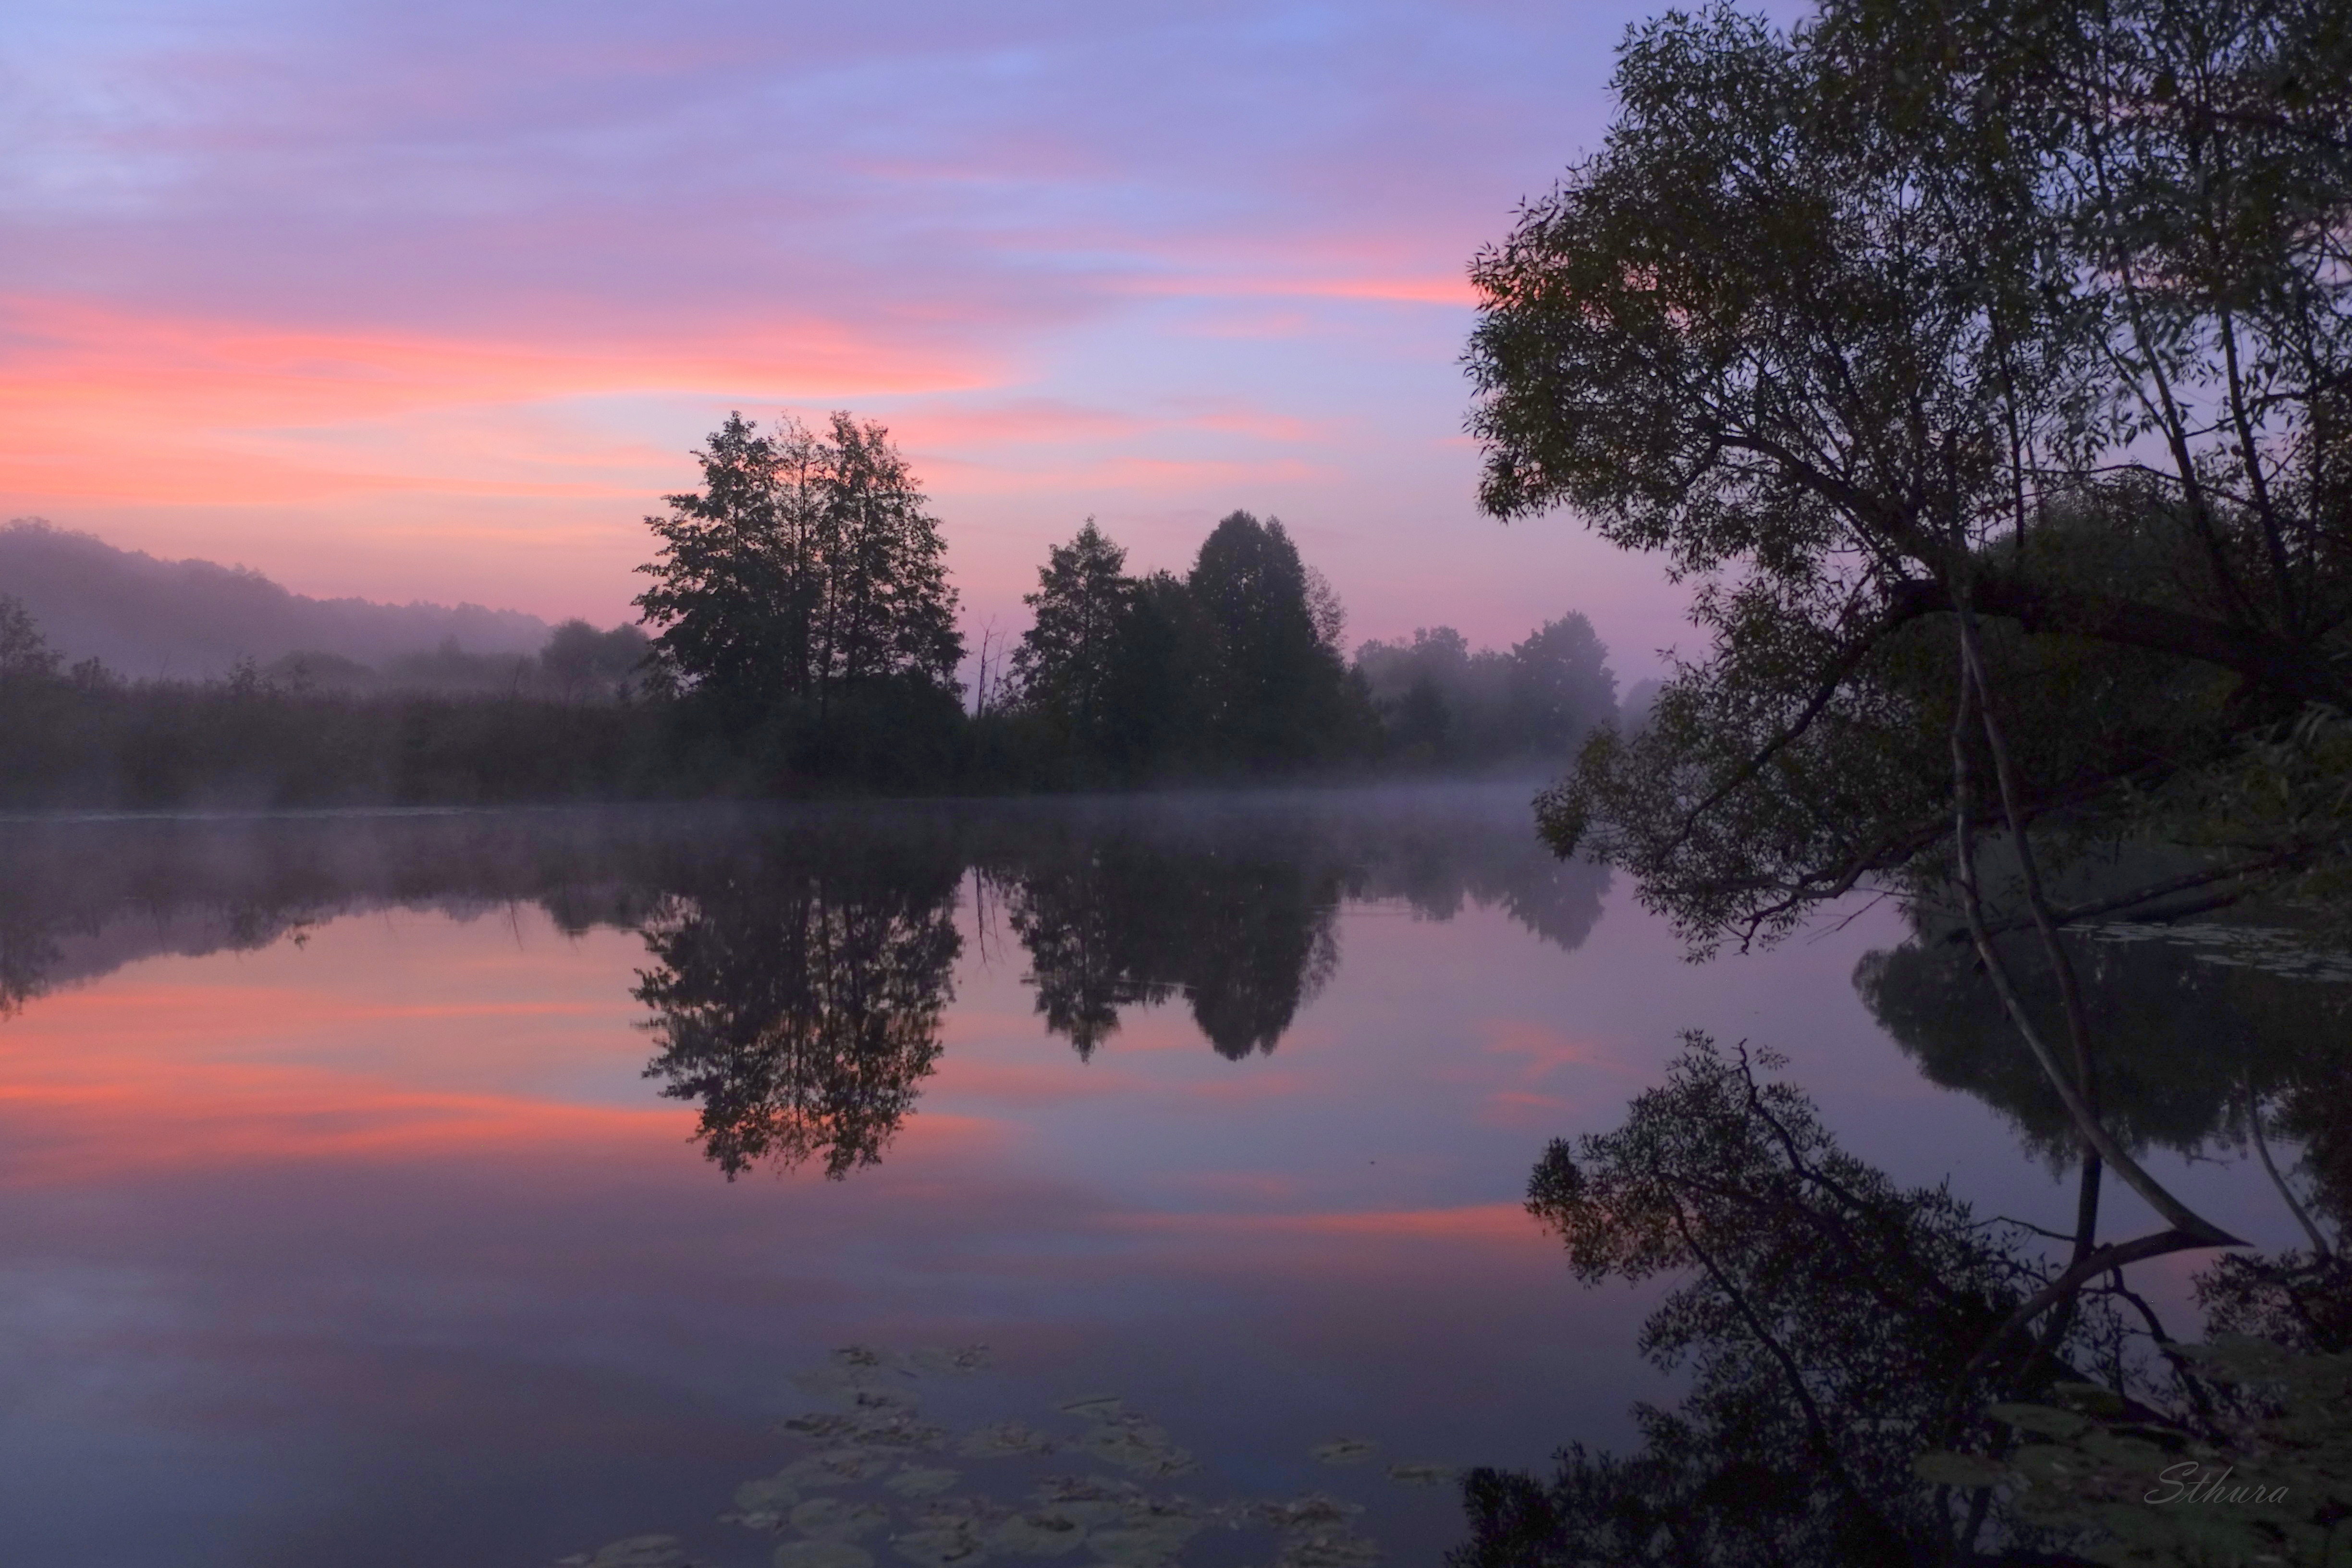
(379, 297)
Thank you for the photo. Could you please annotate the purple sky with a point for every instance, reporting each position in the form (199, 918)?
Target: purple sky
(431, 301)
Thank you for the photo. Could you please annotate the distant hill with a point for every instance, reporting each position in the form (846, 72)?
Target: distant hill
(191, 619)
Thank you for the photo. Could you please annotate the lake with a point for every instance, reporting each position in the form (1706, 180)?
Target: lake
(489, 1187)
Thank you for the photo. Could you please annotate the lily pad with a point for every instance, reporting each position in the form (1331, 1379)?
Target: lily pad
(884, 1399)
(896, 1429)
(1328, 1549)
(919, 1481)
(835, 1468)
(1310, 1513)
(1096, 1407)
(1047, 1532)
(836, 1384)
(1133, 1548)
(1090, 1501)
(960, 1362)
(1140, 1447)
(834, 1519)
(827, 1554)
(945, 1547)
(1344, 1451)
(765, 1501)
(1002, 1440)
(1149, 1532)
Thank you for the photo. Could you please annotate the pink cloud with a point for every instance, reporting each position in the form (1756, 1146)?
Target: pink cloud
(248, 412)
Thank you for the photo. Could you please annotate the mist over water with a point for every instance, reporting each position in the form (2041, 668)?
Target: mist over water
(486, 1187)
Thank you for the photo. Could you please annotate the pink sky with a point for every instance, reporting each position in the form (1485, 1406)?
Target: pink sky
(431, 301)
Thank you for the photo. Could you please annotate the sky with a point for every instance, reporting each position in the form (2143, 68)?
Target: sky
(431, 301)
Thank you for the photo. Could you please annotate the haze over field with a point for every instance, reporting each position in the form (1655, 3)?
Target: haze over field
(194, 620)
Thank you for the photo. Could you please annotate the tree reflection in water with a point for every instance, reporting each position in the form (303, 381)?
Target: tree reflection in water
(1236, 911)
(801, 959)
(798, 989)
(2192, 1039)
(1246, 938)
(1870, 1381)
(798, 1001)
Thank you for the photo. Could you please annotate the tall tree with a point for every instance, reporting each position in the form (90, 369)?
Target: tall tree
(1156, 688)
(725, 589)
(2027, 321)
(1989, 362)
(887, 607)
(1065, 661)
(1274, 687)
(1561, 686)
(805, 564)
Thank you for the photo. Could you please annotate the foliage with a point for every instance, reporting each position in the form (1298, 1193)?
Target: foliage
(1856, 1395)
(805, 565)
(25, 653)
(2034, 311)
(1233, 669)
(91, 742)
(1246, 937)
(2275, 1489)
(1441, 704)
(1066, 662)
(580, 662)
(1273, 689)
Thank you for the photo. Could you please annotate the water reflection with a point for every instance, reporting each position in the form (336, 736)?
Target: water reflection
(798, 1000)
(873, 1463)
(795, 977)
(801, 961)
(2188, 1043)
(1867, 1382)
(1115, 922)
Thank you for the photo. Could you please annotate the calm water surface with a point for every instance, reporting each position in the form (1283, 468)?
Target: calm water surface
(466, 1189)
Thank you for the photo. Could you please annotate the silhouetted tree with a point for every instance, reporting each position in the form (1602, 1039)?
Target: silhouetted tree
(1441, 704)
(25, 653)
(886, 608)
(1158, 682)
(1243, 930)
(1261, 946)
(805, 567)
(1828, 1320)
(581, 661)
(1273, 691)
(1987, 362)
(735, 583)
(1098, 928)
(1561, 685)
(1436, 699)
(1065, 665)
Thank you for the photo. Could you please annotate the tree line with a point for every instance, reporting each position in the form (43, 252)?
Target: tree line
(805, 640)
(801, 959)
(801, 597)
